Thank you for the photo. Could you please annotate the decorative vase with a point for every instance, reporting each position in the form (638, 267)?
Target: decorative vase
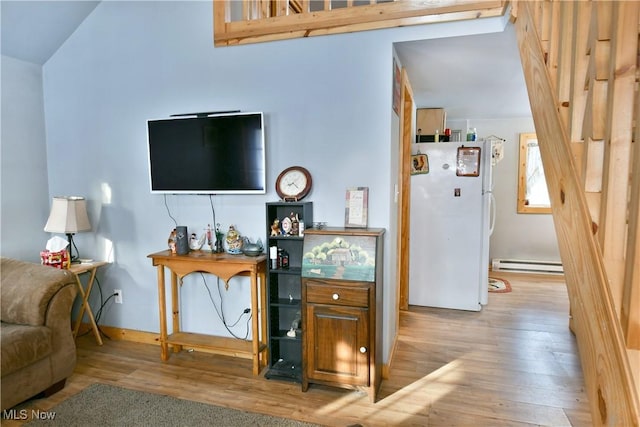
(182, 240)
(234, 241)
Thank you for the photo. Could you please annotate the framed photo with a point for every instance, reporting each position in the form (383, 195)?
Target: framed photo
(468, 161)
(419, 164)
(355, 214)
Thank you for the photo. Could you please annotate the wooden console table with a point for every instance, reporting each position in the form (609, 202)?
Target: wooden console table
(224, 266)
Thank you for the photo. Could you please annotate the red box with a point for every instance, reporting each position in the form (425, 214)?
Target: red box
(59, 259)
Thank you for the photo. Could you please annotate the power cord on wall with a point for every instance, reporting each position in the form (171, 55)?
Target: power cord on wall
(220, 312)
(213, 212)
(169, 212)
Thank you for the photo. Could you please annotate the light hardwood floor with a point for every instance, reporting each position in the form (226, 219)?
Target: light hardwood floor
(513, 364)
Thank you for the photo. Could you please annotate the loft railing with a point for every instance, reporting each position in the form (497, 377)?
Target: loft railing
(252, 21)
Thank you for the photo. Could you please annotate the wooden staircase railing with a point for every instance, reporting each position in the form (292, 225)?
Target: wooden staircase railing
(580, 66)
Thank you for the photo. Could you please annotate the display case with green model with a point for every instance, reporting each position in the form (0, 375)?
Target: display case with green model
(285, 230)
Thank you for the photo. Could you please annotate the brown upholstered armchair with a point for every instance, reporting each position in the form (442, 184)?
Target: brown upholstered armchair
(38, 351)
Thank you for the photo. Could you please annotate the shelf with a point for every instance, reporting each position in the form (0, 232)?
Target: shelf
(291, 270)
(282, 335)
(285, 353)
(283, 237)
(219, 345)
(286, 303)
(284, 369)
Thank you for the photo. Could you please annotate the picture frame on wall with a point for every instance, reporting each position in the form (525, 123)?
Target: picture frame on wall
(356, 210)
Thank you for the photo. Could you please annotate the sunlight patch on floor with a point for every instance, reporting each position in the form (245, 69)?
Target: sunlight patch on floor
(424, 392)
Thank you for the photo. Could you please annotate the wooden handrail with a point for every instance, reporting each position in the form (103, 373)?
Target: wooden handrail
(593, 280)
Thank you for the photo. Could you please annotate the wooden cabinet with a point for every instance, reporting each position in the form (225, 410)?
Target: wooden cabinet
(284, 293)
(342, 308)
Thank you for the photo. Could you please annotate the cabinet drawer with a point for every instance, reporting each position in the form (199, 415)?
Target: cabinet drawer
(337, 295)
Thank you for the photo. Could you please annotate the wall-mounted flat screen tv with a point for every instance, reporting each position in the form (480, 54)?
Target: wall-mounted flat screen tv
(207, 154)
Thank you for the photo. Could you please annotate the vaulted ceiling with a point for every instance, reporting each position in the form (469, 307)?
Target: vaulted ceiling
(476, 76)
(33, 31)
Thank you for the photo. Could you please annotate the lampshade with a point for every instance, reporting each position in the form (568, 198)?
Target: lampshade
(68, 215)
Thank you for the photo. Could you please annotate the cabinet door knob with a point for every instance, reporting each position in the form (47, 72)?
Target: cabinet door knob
(363, 350)
(336, 297)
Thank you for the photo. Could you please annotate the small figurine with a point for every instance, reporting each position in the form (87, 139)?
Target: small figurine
(219, 248)
(209, 237)
(195, 244)
(295, 224)
(234, 241)
(291, 333)
(173, 238)
(275, 227)
(286, 226)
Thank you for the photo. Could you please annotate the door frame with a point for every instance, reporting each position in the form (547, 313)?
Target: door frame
(407, 124)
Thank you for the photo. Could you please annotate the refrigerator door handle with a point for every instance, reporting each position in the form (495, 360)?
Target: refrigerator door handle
(492, 202)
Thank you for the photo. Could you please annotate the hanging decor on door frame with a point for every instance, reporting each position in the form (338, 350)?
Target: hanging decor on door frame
(419, 164)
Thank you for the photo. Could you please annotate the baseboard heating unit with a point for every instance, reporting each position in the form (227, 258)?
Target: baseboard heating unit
(527, 266)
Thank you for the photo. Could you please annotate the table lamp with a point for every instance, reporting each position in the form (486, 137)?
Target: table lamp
(69, 216)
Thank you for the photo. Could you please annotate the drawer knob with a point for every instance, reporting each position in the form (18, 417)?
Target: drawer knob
(363, 350)
(336, 297)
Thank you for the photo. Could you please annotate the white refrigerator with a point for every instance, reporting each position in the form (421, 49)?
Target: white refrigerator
(452, 213)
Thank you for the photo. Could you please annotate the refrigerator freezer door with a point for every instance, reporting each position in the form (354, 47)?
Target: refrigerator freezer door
(448, 232)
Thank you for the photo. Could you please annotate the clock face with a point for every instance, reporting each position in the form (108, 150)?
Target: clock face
(293, 183)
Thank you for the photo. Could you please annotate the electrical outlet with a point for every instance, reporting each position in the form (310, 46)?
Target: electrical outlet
(118, 295)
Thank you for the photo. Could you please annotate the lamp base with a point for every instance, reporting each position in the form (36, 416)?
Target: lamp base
(75, 259)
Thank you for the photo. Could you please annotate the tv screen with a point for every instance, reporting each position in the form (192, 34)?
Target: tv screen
(217, 154)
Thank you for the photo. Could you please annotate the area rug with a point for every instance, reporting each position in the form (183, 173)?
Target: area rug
(106, 405)
(499, 285)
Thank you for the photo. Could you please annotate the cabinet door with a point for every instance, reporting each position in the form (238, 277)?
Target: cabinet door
(337, 344)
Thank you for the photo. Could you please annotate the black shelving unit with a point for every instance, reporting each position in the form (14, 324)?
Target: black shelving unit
(284, 293)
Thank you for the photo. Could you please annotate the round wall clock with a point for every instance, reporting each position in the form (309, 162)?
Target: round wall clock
(293, 183)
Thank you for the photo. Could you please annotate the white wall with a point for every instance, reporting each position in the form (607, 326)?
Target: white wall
(24, 187)
(327, 103)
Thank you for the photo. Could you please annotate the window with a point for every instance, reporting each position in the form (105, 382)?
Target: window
(533, 196)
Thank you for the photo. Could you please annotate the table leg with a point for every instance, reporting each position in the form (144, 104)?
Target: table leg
(263, 316)
(255, 331)
(162, 306)
(175, 309)
(82, 307)
(86, 307)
